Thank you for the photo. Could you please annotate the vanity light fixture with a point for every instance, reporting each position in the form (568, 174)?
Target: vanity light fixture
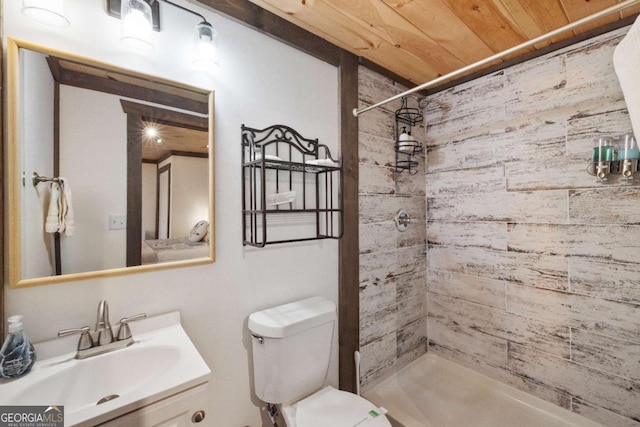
(137, 26)
(205, 44)
(48, 12)
(138, 16)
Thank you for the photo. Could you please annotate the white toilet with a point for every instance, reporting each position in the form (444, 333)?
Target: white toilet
(291, 352)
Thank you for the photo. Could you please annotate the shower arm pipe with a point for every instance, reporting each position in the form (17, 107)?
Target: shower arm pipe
(612, 9)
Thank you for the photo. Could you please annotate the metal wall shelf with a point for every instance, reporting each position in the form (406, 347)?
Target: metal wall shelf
(284, 198)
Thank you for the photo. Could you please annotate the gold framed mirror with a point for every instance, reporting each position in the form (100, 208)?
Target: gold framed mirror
(88, 148)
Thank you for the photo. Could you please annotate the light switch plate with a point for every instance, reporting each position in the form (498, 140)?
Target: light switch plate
(117, 222)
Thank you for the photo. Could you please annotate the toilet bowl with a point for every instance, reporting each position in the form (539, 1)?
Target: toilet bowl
(335, 408)
(291, 346)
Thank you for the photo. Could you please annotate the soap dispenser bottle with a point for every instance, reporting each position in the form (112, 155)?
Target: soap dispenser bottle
(17, 354)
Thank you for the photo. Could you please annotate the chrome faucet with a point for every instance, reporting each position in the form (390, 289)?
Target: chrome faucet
(101, 339)
(103, 327)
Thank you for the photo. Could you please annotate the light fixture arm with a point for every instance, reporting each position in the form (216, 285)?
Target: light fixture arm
(184, 8)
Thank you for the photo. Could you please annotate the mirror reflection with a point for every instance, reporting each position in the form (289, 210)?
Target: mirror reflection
(123, 166)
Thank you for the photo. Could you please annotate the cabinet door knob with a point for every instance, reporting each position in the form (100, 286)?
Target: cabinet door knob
(198, 416)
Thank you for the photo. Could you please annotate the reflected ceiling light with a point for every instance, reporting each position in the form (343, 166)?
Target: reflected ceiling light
(137, 25)
(48, 12)
(152, 133)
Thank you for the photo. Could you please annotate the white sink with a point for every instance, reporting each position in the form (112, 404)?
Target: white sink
(161, 362)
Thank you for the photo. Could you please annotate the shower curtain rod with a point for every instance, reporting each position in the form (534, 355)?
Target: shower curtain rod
(615, 8)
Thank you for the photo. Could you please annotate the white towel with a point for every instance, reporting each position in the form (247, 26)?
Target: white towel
(626, 61)
(66, 221)
(52, 223)
(321, 162)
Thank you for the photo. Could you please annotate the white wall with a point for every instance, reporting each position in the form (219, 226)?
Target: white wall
(188, 196)
(93, 157)
(259, 82)
(149, 193)
(37, 246)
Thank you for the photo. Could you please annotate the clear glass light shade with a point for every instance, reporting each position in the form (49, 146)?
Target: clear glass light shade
(206, 49)
(137, 27)
(48, 12)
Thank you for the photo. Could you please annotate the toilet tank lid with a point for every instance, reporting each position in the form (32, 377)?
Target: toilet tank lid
(289, 319)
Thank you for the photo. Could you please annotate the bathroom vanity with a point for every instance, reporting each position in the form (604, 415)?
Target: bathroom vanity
(159, 379)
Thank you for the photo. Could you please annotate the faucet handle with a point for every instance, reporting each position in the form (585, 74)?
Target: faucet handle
(124, 332)
(85, 341)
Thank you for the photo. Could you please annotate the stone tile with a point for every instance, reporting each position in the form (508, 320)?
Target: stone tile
(372, 87)
(377, 208)
(414, 235)
(473, 97)
(468, 152)
(466, 181)
(498, 323)
(605, 279)
(375, 326)
(554, 173)
(548, 271)
(606, 354)
(550, 207)
(605, 205)
(608, 391)
(534, 88)
(412, 339)
(532, 139)
(538, 270)
(411, 259)
(619, 243)
(377, 237)
(499, 373)
(480, 234)
(477, 345)
(612, 318)
(601, 415)
(481, 290)
(592, 60)
(376, 180)
(377, 358)
(410, 310)
(481, 262)
(375, 296)
(415, 206)
(602, 120)
(377, 266)
(411, 285)
(377, 122)
(374, 150)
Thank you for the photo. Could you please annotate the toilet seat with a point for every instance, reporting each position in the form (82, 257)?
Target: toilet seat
(335, 408)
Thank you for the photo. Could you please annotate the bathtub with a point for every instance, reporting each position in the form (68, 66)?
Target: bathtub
(435, 392)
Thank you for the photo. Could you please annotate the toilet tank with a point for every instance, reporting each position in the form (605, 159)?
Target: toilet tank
(292, 348)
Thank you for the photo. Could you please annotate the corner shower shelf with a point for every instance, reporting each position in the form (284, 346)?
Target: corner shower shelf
(284, 198)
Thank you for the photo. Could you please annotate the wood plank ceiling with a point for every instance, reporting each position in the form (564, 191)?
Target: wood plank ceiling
(420, 40)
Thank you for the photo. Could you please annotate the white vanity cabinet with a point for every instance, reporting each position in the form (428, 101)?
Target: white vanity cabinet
(180, 410)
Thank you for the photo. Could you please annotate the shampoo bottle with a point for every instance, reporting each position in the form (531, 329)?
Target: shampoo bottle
(17, 354)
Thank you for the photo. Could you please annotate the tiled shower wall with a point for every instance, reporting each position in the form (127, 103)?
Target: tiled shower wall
(534, 268)
(392, 264)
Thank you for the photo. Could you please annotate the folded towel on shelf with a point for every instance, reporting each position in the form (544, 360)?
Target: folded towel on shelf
(626, 62)
(267, 157)
(66, 221)
(52, 222)
(321, 162)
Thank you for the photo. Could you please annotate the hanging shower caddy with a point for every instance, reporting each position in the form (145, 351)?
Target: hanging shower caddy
(406, 146)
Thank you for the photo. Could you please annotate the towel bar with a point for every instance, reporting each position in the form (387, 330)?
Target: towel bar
(37, 179)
